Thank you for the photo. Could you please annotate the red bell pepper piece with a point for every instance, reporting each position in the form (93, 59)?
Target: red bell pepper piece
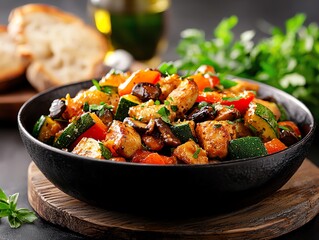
(240, 102)
(210, 97)
(292, 126)
(97, 131)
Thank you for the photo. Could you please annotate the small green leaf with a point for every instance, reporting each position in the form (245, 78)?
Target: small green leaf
(208, 89)
(4, 205)
(14, 222)
(157, 102)
(226, 83)
(13, 199)
(3, 196)
(232, 99)
(174, 108)
(196, 153)
(96, 84)
(164, 112)
(167, 68)
(8, 209)
(4, 213)
(26, 216)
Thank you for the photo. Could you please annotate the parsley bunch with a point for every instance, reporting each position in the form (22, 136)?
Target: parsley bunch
(288, 59)
(8, 208)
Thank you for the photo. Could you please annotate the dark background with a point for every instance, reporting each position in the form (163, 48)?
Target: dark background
(202, 14)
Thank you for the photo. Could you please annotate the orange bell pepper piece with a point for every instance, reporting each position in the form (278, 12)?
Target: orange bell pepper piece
(147, 157)
(148, 75)
(274, 145)
(204, 81)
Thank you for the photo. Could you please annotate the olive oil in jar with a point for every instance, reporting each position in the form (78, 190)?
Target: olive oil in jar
(137, 26)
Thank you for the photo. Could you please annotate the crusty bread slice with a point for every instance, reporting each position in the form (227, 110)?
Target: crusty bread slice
(12, 65)
(61, 48)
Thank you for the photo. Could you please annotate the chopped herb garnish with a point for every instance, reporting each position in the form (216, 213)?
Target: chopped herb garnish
(99, 109)
(230, 107)
(202, 104)
(86, 107)
(96, 84)
(226, 83)
(232, 99)
(157, 102)
(105, 89)
(166, 102)
(284, 128)
(167, 68)
(208, 89)
(174, 108)
(196, 153)
(164, 112)
(218, 126)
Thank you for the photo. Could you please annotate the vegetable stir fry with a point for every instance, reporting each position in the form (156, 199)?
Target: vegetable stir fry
(154, 117)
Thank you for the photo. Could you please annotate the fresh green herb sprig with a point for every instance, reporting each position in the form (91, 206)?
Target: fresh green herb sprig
(287, 59)
(16, 216)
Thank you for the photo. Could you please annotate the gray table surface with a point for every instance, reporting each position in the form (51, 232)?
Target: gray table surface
(203, 14)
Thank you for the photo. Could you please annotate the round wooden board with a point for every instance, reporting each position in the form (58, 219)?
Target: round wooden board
(289, 208)
(11, 101)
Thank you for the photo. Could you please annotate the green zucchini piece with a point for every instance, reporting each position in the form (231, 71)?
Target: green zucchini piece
(105, 152)
(283, 113)
(261, 121)
(45, 129)
(246, 147)
(74, 130)
(37, 126)
(184, 131)
(126, 101)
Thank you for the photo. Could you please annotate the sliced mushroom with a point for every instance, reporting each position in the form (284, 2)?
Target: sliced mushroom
(153, 142)
(227, 113)
(288, 137)
(57, 108)
(146, 91)
(137, 125)
(169, 138)
(204, 114)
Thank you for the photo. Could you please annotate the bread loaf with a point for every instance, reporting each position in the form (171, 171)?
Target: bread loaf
(59, 46)
(12, 66)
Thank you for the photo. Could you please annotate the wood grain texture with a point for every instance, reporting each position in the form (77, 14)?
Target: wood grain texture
(11, 101)
(289, 208)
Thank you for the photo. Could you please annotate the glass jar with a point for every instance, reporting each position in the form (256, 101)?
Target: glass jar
(137, 26)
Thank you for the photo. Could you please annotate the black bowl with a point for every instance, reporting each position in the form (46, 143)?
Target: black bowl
(173, 189)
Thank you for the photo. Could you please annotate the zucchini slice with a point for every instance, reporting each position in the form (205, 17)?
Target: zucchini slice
(126, 101)
(184, 131)
(246, 147)
(261, 121)
(74, 130)
(45, 129)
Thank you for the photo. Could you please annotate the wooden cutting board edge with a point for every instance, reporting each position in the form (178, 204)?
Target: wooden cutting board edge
(288, 209)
